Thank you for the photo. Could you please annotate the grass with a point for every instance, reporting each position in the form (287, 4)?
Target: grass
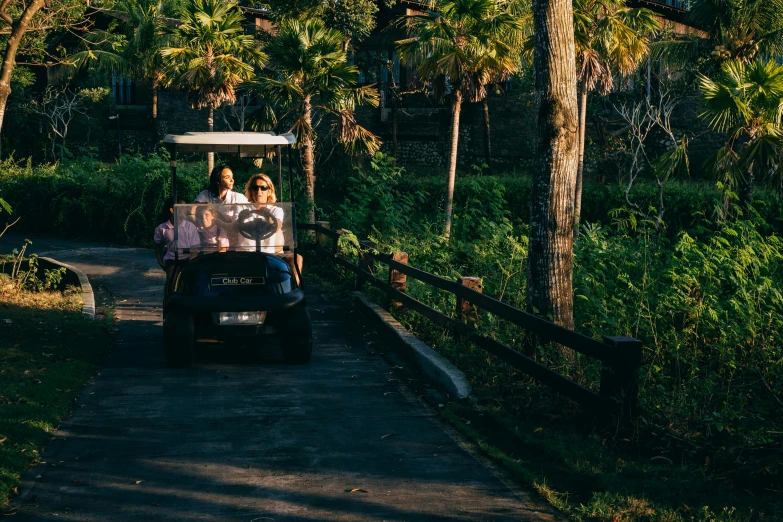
(590, 474)
(48, 351)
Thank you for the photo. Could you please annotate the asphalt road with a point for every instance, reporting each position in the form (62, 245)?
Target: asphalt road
(338, 439)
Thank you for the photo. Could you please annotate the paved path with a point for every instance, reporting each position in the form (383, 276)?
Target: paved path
(260, 441)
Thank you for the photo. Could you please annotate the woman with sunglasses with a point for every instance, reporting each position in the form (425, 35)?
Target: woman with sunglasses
(261, 191)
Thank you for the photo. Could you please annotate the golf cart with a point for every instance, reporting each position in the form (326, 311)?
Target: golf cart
(243, 282)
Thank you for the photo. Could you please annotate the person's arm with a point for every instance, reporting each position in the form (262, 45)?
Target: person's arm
(278, 237)
(279, 215)
(159, 247)
(189, 238)
(159, 256)
(222, 240)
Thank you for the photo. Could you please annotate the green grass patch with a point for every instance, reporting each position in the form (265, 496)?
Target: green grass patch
(48, 351)
(590, 473)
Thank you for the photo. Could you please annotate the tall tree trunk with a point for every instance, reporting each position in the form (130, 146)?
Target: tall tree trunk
(455, 110)
(581, 168)
(747, 187)
(18, 28)
(395, 117)
(308, 150)
(395, 98)
(487, 142)
(155, 112)
(550, 251)
(210, 128)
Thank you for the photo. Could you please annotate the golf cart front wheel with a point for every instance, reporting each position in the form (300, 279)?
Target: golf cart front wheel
(297, 337)
(179, 340)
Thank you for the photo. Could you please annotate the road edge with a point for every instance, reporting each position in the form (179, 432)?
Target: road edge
(447, 377)
(88, 297)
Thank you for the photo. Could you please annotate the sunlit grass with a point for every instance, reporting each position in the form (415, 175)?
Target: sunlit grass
(48, 351)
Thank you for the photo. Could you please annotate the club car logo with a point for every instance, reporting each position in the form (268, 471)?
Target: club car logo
(236, 281)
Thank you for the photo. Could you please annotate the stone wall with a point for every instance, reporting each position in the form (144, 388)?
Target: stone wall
(424, 134)
(176, 117)
(703, 142)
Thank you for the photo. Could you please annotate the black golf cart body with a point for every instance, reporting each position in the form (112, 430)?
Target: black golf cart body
(239, 279)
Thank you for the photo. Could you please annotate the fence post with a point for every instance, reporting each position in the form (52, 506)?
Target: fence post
(467, 312)
(365, 259)
(619, 377)
(321, 240)
(398, 280)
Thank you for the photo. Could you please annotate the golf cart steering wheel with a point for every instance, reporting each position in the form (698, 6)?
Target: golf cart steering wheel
(257, 224)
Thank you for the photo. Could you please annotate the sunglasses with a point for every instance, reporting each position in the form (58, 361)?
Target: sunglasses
(260, 187)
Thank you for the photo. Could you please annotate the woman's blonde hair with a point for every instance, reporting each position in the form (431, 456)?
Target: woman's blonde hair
(250, 194)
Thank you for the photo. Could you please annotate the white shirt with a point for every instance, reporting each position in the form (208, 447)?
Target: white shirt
(205, 196)
(274, 242)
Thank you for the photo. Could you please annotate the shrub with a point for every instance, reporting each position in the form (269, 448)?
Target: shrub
(706, 302)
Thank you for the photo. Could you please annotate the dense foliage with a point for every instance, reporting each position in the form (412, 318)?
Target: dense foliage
(707, 302)
(89, 199)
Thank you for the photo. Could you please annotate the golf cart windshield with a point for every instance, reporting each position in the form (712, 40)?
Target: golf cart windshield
(245, 227)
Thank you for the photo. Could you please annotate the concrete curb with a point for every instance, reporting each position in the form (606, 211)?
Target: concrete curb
(447, 377)
(88, 307)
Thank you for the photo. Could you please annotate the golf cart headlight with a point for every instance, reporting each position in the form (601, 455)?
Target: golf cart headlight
(229, 318)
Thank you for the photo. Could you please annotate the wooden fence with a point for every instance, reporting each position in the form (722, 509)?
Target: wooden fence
(621, 356)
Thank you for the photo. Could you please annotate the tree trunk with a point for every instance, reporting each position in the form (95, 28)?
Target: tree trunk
(11, 47)
(550, 251)
(747, 188)
(395, 99)
(210, 128)
(487, 142)
(308, 149)
(455, 110)
(155, 112)
(581, 168)
(395, 148)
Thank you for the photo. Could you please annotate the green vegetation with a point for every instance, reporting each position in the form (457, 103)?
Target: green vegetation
(309, 78)
(49, 350)
(473, 43)
(706, 299)
(89, 199)
(692, 268)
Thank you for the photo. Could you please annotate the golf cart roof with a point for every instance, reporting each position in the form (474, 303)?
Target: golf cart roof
(244, 143)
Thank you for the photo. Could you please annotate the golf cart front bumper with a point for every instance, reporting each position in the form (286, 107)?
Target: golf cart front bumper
(189, 303)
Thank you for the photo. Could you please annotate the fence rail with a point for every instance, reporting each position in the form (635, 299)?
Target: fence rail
(621, 356)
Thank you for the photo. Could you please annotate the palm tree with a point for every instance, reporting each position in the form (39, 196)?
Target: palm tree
(308, 76)
(609, 37)
(135, 49)
(147, 35)
(746, 101)
(740, 29)
(464, 42)
(210, 55)
(550, 250)
(522, 49)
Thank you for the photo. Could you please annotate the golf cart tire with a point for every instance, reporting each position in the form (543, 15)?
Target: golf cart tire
(296, 341)
(179, 340)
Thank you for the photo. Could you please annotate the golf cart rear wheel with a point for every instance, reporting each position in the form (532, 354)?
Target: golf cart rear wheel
(179, 340)
(297, 337)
